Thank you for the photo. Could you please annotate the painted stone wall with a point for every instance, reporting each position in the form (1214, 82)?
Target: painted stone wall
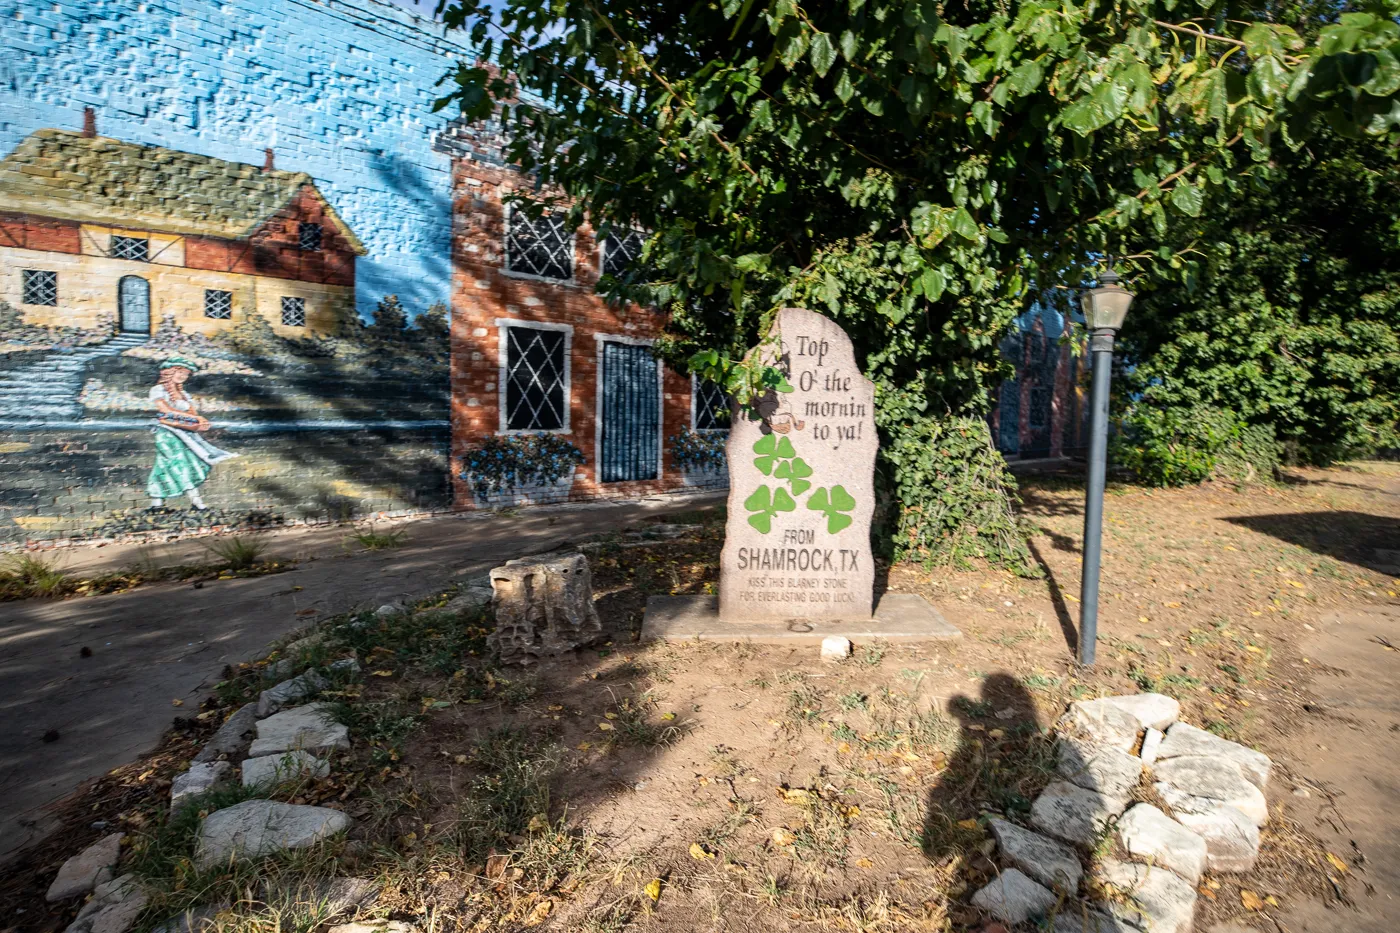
(220, 376)
(339, 89)
(1043, 411)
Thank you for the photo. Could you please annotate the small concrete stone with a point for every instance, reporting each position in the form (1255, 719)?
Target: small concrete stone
(1218, 780)
(1108, 770)
(233, 736)
(288, 692)
(113, 909)
(1232, 926)
(202, 776)
(473, 597)
(194, 920)
(1074, 918)
(86, 870)
(288, 766)
(1151, 745)
(1155, 899)
(1074, 814)
(374, 926)
(1099, 726)
(255, 828)
(1232, 839)
(1149, 834)
(388, 609)
(1152, 710)
(1185, 740)
(1014, 898)
(1049, 862)
(544, 607)
(303, 646)
(308, 728)
(339, 895)
(835, 648)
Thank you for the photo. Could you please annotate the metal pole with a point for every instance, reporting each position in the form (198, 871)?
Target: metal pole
(1101, 346)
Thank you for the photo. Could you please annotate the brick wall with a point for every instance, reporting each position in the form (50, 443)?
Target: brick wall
(483, 293)
(327, 424)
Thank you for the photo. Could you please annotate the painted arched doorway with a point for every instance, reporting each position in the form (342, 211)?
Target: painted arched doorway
(134, 304)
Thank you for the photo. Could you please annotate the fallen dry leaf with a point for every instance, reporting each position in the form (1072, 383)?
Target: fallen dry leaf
(1337, 863)
(1251, 901)
(539, 914)
(864, 863)
(699, 853)
(653, 889)
(783, 837)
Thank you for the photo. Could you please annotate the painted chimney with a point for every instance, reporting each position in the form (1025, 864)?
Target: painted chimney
(267, 160)
(89, 122)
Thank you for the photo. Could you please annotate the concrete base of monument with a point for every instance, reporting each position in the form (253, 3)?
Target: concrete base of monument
(898, 617)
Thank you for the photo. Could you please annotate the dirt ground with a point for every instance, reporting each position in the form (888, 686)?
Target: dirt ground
(742, 787)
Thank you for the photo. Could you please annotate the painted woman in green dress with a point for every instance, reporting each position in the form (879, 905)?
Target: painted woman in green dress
(183, 457)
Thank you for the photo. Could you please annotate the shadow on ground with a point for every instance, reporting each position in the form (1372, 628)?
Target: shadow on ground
(1370, 541)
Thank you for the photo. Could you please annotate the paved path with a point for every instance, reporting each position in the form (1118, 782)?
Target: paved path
(1346, 757)
(171, 641)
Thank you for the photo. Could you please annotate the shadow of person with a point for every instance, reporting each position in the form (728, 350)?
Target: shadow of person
(1001, 762)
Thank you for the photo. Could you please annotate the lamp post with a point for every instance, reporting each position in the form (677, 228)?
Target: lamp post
(1105, 308)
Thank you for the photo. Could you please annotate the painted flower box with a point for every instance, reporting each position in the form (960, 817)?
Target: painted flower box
(522, 469)
(700, 457)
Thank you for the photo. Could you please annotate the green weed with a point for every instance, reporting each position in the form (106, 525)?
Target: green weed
(238, 553)
(379, 540)
(27, 575)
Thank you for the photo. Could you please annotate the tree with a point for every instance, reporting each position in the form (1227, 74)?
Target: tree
(1289, 324)
(915, 169)
(389, 319)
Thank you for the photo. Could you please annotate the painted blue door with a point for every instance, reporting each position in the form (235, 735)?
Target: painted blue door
(134, 304)
(631, 415)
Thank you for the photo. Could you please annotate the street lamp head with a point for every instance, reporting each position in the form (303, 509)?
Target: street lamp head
(1105, 307)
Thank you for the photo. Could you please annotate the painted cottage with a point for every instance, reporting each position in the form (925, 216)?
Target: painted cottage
(96, 231)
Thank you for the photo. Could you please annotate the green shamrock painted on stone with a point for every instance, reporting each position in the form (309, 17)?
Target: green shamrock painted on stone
(765, 503)
(795, 471)
(839, 501)
(771, 449)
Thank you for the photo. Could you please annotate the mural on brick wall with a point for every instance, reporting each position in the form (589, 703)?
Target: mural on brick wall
(195, 332)
(1043, 411)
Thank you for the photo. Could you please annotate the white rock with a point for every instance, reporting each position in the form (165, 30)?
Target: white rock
(1042, 858)
(1014, 898)
(1151, 745)
(233, 736)
(1076, 918)
(1216, 780)
(113, 909)
(835, 648)
(86, 870)
(1150, 835)
(271, 770)
(1153, 898)
(308, 728)
(303, 646)
(1099, 726)
(255, 828)
(1232, 839)
(1074, 814)
(288, 692)
(473, 597)
(1152, 710)
(375, 926)
(1186, 740)
(388, 609)
(1108, 770)
(202, 776)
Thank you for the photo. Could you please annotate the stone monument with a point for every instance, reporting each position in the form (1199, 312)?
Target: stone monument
(802, 485)
(797, 563)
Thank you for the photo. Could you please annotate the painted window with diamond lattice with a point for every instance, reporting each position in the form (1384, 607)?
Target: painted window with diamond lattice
(621, 249)
(218, 304)
(711, 406)
(294, 312)
(309, 237)
(543, 247)
(536, 380)
(135, 248)
(40, 288)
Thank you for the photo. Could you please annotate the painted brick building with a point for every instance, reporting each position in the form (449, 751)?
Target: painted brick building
(93, 227)
(536, 349)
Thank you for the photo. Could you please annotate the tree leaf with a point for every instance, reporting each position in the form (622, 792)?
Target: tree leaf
(1187, 198)
(823, 54)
